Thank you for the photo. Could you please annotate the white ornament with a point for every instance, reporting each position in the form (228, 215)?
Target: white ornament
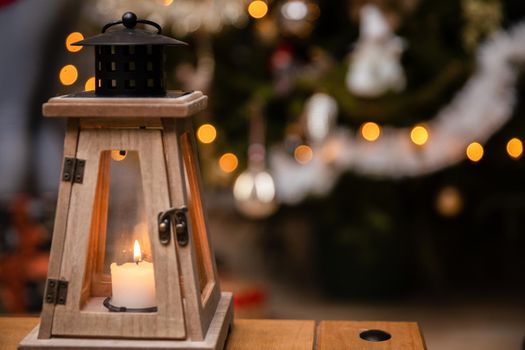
(294, 10)
(254, 193)
(320, 113)
(375, 66)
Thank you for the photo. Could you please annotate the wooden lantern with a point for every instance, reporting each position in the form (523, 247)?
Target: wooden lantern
(131, 264)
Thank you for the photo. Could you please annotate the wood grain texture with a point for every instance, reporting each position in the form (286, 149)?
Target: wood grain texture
(186, 254)
(210, 291)
(13, 329)
(59, 229)
(95, 283)
(271, 334)
(257, 334)
(69, 320)
(335, 335)
(125, 107)
(214, 340)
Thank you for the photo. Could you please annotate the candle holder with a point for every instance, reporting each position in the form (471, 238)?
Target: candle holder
(131, 263)
(107, 304)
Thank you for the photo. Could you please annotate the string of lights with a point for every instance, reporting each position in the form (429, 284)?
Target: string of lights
(459, 130)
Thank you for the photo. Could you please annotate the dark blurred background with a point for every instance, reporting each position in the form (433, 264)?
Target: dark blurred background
(324, 201)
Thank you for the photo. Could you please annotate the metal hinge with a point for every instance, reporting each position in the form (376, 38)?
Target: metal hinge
(181, 225)
(56, 291)
(73, 170)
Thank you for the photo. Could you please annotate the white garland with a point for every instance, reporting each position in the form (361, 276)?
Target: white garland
(481, 108)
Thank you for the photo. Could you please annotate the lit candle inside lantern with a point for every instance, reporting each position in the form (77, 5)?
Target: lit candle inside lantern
(133, 284)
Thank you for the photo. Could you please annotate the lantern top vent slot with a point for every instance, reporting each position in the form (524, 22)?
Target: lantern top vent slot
(130, 35)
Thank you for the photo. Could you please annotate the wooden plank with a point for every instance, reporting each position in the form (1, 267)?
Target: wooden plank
(95, 283)
(171, 106)
(13, 329)
(59, 229)
(271, 335)
(214, 340)
(334, 335)
(210, 291)
(168, 322)
(186, 254)
(265, 334)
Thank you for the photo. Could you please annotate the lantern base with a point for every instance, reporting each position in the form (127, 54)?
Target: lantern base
(215, 338)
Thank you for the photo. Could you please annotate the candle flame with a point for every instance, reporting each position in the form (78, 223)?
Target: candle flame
(137, 255)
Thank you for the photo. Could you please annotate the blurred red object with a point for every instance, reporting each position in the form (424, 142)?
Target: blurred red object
(26, 262)
(250, 298)
(6, 2)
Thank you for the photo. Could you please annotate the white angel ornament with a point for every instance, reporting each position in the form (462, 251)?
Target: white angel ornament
(375, 66)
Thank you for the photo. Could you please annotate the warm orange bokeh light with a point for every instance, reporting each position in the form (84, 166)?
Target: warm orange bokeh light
(206, 133)
(258, 9)
(68, 74)
(370, 131)
(73, 38)
(90, 84)
(303, 154)
(475, 151)
(419, 135)
(118, 155)
(228, 162)
(515, 148)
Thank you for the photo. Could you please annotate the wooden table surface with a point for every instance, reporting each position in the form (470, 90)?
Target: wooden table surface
(275, 334)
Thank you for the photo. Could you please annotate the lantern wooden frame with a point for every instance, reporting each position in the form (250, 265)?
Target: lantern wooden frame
(192, 311)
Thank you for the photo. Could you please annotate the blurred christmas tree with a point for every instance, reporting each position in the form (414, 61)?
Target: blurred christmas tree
(394, 65)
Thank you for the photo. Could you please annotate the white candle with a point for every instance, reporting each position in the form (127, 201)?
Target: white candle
(133, 284)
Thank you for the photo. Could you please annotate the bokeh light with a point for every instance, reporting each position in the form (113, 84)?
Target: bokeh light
(258, 186)
(73, 38)
(228, 162)
(294, 10)
(167, 2)
(119, 154)
(515, 148)
(254, 192)
(370, 131)
(449, 201)
(68, 74)
(303, 154)
(419, 135)
(206, 133)
(258, 9)
(475, 151)
(90, 84)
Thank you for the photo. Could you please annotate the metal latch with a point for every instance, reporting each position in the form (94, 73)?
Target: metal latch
(181, 225)
(56, 291)
(73, 170)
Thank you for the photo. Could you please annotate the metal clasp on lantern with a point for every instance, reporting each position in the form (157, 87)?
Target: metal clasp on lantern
(181, 225)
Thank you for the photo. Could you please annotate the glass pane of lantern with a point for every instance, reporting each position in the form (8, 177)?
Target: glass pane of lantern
(196, 214)
(119, 260)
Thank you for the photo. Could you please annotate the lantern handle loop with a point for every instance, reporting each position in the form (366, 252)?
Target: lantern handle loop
(151, 23)
(129, 20)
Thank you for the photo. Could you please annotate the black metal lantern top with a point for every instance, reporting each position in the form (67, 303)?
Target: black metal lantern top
(130, 61)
